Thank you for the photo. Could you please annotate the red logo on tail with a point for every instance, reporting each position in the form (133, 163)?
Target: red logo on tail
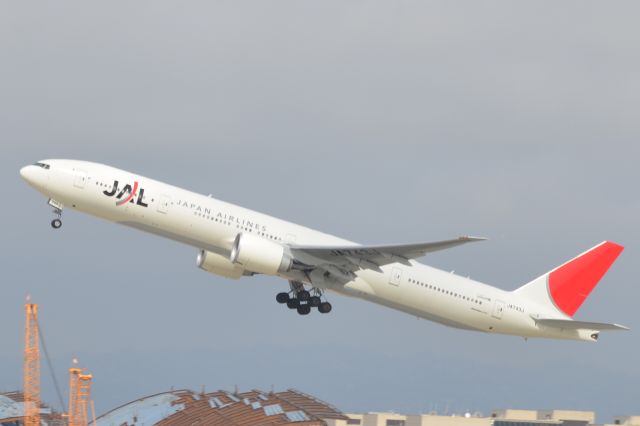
(571, 283)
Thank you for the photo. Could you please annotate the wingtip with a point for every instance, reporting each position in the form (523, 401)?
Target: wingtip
(471, 238)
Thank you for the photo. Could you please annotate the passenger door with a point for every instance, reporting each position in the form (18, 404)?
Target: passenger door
(396, 276)
(498, 309)
(80, 178)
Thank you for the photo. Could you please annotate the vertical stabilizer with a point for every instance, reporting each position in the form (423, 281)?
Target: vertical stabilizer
(568, 286)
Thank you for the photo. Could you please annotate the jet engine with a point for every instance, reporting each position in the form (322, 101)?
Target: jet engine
(217, 264)
(256, 254)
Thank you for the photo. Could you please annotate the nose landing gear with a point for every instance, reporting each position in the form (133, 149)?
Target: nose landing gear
(57, 210)
(303, 300)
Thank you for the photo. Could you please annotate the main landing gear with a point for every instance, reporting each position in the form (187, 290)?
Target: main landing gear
(303, 300)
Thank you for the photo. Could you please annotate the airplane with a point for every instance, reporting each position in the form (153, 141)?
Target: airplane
(233, 242)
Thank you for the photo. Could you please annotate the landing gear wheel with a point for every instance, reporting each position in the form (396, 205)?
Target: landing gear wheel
(282, 297)
(56, 223)
(293, 303)
(303, 295)
(324, 308)
(314, 301)
(304, 309)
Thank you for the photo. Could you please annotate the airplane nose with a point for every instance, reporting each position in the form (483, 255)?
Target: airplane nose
(35, 176)
(27, 173)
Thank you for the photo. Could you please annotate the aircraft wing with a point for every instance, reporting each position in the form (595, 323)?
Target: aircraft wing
(577, 325)
(372, 257)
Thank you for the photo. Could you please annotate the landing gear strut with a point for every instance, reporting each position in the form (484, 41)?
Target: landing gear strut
(303, 300)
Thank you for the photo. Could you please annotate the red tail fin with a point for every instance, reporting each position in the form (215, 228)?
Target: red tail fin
(566, 287)
(571, 283)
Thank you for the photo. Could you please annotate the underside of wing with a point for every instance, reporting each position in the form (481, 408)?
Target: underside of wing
(372, 257)
(579, 325)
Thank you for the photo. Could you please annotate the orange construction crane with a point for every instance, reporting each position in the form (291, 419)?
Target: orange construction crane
(31, 366)
(79, 397)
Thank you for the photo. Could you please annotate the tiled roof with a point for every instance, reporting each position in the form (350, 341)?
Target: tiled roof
(220, 408)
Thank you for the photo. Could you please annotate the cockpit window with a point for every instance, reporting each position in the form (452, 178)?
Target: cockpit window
(43, 165)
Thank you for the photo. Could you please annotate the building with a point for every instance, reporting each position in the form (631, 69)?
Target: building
(507, 417)
(627, 420)
(290, 407)
(373, 419)
(12, 411)
(222, 408)
(588, 417)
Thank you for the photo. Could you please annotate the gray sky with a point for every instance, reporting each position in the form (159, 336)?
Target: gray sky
(380, 122)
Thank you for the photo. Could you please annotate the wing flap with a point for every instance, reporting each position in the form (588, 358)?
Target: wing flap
(372, 257)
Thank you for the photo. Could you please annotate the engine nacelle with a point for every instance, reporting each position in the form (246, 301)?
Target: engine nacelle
(217, 264)
(256, 254)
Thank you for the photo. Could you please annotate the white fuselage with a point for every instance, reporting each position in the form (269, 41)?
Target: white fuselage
(206, 223)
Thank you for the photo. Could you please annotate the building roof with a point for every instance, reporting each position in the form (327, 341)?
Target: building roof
(183, 407)
(148, 410)
(311, 404)
(12, 409)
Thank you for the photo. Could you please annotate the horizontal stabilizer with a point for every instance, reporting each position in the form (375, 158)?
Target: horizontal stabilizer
(579, 325)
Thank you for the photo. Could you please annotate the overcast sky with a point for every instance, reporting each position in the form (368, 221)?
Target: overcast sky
(380, 122)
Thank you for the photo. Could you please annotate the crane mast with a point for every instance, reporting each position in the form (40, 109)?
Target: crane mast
(79, 397)
(79, 383)
(31, 366)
